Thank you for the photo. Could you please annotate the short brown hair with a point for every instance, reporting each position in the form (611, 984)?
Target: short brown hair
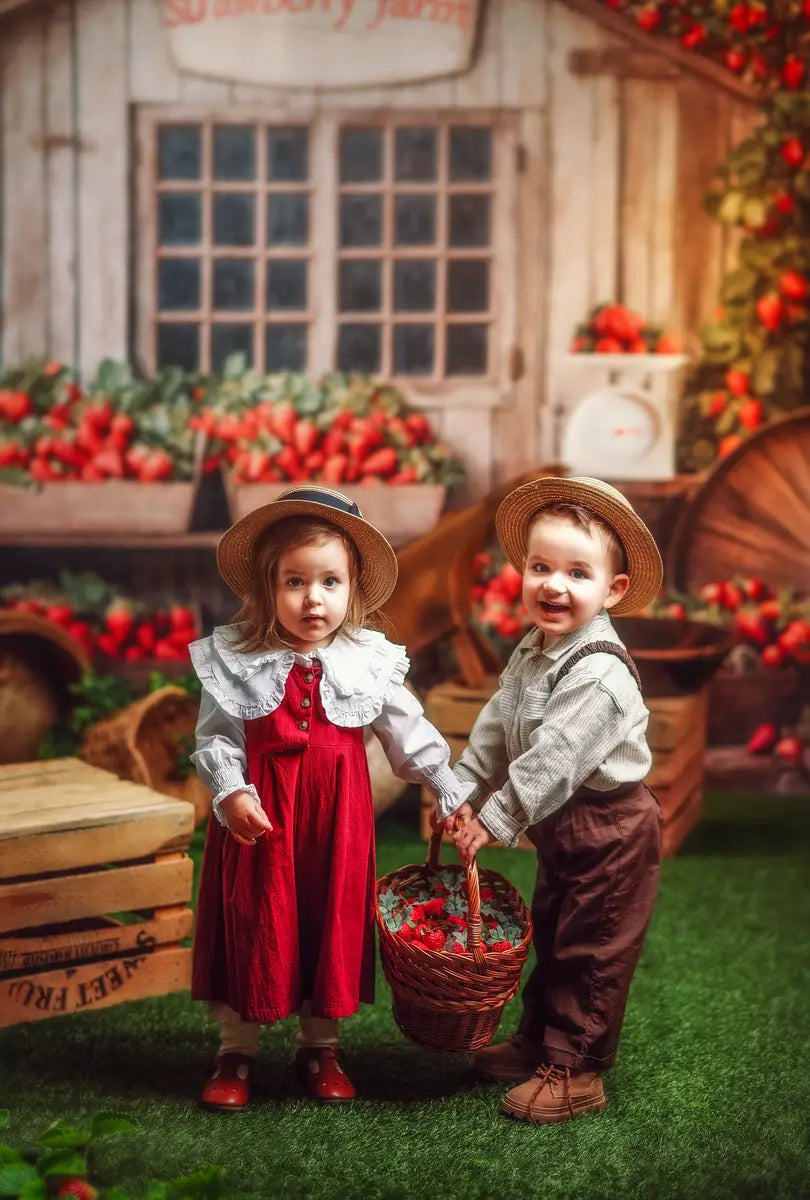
(583, 518)
(261, 629)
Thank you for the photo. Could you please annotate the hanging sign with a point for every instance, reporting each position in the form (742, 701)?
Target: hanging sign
(321, 43)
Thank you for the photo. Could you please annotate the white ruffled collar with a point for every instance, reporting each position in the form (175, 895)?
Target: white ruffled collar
(358, 674)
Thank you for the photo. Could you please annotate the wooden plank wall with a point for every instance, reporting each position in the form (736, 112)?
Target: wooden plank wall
(609, 203)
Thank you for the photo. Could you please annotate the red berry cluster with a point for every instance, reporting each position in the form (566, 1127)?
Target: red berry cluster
(439, 921)
(615, 329)
(497, 609)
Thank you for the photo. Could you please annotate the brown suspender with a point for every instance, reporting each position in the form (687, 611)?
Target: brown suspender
(599, 648)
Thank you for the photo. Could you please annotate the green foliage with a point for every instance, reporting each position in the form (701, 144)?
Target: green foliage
(67, 1148)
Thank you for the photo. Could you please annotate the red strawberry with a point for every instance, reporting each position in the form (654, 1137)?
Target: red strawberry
(11, 453)
(750, 627)
(304, 437)
(459, 922)
(435, 907)
(417, 913)
(739, 18)
(754, 589)
(109, 645)
(762, 739)
(728, 445)
(334, 440)
(15, 405)
(380, 462)
(793, 72)
(420, 932)
(457, 948)
(80, 1189)
(164, 649)
(738, 382)
(792, 151)
(713, 593)
(288, 461)
(773, 655)
(60, 614)
(121, 428)
(751, 414)
(649, 19)
(784, 202)
(434, 940)
(500, 947)
(181, 618)
(676, 611)
(118, 619)
(404, 933)
(83, 634)
(790, 749)
(487, 893)
(770, 310)
(145, 636)
(769, 610)
(418, 426)
(155, 466)
(609, 345)
(793, 285)
(334, 468)
(110, 462)
(734, 60)
(283, 422)
(134, 654)
(732, 595)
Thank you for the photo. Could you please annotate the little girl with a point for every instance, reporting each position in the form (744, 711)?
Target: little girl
(285, 916)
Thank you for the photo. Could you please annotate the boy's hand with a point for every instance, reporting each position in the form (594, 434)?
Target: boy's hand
(466, 813)
(471, 838)
(245, 819)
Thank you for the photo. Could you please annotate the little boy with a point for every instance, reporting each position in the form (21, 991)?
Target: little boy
(560, 752)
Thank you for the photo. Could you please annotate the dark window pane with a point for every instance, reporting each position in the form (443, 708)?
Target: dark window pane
(287, 283)
(360, 288)
(234, 220)
(178, 346)
(468, 285)
(288, 219)
(178, 283)
(415, 220)
(361, 155)
(415, 285)
(466, 350)
(470, 153)
(359, 348)
(179, 152)
(230, 339)
(360, 220)
(416, 154)
(234, 152)
(179, 218)
(234, 283)
(413, 349)
(288, 154)
(469, 220)
(285, 348)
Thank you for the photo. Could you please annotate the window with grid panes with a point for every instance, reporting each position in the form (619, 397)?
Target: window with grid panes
(237, 264)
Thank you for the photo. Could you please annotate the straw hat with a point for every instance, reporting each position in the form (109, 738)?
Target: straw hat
(378, 562)
(643, 559)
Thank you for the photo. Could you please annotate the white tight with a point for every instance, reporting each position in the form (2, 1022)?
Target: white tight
(242, 1037)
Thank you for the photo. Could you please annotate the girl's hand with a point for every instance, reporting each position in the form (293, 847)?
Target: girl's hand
(471, 838)
(466, 813)
(246, 820)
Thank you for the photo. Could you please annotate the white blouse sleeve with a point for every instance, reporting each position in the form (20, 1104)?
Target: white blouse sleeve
(219, 757)
(415, 749)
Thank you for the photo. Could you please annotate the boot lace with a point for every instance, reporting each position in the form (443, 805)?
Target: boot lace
(549, 1074)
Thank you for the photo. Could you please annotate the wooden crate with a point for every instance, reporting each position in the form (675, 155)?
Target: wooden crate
(676, 735)
(94, 890)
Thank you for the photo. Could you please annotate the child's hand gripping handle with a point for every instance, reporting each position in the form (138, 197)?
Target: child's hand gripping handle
(474, 945)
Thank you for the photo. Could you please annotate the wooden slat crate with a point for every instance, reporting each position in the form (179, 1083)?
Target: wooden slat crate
(94, 890)
(676, 735)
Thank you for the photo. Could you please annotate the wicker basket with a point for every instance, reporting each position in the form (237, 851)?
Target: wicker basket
(141, 742)
(445, 1001)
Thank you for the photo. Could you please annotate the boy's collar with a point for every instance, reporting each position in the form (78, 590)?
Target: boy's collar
(594, 627)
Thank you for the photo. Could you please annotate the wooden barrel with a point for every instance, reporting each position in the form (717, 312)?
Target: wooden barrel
(38, 662)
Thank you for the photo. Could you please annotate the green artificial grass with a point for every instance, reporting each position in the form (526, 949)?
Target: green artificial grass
(709, 1098)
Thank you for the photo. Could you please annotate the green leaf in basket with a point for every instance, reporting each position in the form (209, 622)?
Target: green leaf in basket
(388, 901)
(455, 906)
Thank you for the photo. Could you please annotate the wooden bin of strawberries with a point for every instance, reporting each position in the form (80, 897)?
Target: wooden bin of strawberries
(349, 432)
(75, 460)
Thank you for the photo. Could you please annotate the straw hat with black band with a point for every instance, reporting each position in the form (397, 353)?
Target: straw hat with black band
(644, 567)
(378, 562)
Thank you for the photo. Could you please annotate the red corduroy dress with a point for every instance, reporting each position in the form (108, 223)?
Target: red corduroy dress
(292, 918)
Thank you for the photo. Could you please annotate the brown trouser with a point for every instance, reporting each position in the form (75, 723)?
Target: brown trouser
(598, 866)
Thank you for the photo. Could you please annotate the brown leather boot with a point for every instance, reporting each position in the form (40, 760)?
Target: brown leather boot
(516, 1059)
(555, 1094)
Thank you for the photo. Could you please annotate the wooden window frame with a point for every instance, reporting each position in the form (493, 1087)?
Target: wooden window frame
(322, 250)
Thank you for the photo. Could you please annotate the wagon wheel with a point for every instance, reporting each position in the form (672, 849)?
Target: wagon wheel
(752, 515)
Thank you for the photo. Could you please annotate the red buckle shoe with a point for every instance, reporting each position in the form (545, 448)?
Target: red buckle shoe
(227, 1088)
(322, 1075)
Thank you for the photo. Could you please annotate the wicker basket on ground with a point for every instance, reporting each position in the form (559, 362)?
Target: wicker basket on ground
(38, 662)
(143, 741)
(445, 1001)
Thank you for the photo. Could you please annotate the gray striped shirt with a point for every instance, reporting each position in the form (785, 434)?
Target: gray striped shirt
(533, 744)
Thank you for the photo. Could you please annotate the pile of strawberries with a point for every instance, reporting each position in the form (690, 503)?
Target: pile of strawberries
(497, 609)
(105, 624)
(343, 429)
(615, 329)
(437, 919)
(120, 428)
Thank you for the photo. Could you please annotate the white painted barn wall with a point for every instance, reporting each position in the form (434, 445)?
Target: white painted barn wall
(608, 203)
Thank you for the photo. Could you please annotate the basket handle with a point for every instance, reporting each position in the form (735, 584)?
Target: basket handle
(474, 945)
